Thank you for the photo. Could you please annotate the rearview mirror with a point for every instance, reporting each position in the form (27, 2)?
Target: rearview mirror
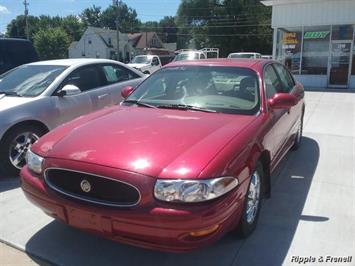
(126, 91)
(69, 90)
(282, 101)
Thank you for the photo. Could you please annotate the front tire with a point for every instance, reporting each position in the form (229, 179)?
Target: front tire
(298, 140)
(252, 202)
(14, 146)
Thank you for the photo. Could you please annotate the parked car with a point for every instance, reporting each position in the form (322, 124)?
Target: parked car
(15, 52)
(147, 64)
(190, 55)
(266, 57)
(185, 159)
(37, 97)
(245, 55)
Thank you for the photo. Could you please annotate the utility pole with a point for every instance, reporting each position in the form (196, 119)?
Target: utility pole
(116, 4)
(26, 18)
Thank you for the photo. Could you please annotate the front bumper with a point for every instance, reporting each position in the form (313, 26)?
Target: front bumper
(151, 224)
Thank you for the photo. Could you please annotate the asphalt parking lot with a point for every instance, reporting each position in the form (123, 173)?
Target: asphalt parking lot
(311, 213)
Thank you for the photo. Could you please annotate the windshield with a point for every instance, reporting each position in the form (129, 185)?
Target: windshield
(186, 56)
(241, 56)
(141, 60)
(221, 89)
(29, 80)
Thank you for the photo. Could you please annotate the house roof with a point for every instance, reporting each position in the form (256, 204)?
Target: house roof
(104, 32)
(73, 45)
(142, 39)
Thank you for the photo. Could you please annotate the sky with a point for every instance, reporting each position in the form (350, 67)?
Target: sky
(146, 9)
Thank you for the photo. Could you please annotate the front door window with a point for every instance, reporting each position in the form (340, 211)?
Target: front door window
(340, 63)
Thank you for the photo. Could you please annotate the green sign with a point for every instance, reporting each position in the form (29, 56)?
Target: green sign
(316, 34)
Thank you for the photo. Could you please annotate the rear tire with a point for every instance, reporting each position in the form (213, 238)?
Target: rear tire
(14, 146)
(252, 202)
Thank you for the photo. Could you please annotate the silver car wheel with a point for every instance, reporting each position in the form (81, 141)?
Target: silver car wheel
(253, 198)
(19, 147)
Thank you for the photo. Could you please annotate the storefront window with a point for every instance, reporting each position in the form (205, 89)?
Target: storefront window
(315, 50)
(288, 50)
(342, 32)
(353, 63)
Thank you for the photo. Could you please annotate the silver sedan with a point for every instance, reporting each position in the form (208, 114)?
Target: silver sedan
(37, 97)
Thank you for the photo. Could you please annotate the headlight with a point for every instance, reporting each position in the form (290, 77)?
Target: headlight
(34, 162)
(193, 190)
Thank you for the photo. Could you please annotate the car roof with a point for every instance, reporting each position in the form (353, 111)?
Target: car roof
(231, 62)
(73, 61)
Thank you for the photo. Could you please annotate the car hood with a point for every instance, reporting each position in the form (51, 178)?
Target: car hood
(7, 102)
(154, 142)
(138, 65)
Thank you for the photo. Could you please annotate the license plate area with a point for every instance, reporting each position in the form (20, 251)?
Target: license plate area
(84, 220)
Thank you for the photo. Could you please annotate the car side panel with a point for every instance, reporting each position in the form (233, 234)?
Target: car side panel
(111, 94)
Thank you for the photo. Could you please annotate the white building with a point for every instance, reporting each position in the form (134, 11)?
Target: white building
(101, 43)
(315, 40)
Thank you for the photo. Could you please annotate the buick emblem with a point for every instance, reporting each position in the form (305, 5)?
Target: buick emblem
(85, 186)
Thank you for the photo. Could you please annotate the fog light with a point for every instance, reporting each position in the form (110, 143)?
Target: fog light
(205, 232)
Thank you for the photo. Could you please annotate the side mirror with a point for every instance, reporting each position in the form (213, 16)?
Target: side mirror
(126, 91)
(282, 101)
(69, 90)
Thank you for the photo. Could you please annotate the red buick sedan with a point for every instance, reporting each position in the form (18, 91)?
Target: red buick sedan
(185, 158)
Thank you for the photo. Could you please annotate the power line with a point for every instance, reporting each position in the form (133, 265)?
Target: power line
(207, 26)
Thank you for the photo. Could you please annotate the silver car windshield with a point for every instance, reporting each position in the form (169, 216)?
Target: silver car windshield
(29, 80)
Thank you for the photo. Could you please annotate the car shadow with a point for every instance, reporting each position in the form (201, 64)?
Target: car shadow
(268, 245)
(9, 183)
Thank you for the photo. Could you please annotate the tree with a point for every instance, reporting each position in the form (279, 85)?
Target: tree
(91, 16)
(127, 18)
(71, 24)
(17, 27)
(52, 43)
(166, 28)
(209, 23)
(73, 27)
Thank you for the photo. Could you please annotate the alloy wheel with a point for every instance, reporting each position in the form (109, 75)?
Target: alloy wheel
(19, 147)
(253, 198)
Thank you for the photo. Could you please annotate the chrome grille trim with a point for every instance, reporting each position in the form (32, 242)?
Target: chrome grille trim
(89, 200)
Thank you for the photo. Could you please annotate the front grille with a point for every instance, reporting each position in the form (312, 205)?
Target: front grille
(92, 188)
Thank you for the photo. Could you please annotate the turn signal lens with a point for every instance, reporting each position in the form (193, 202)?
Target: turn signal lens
(205, 231)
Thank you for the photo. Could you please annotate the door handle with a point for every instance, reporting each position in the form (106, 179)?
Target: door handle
(102, 96)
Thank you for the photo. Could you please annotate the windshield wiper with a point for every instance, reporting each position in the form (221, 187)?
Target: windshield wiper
(139, 103)
(10, 93)
(186, 107)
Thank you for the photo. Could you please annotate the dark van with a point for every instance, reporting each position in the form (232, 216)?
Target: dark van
(15, 52)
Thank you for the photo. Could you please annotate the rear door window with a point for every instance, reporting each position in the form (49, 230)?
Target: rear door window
(115, 73)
